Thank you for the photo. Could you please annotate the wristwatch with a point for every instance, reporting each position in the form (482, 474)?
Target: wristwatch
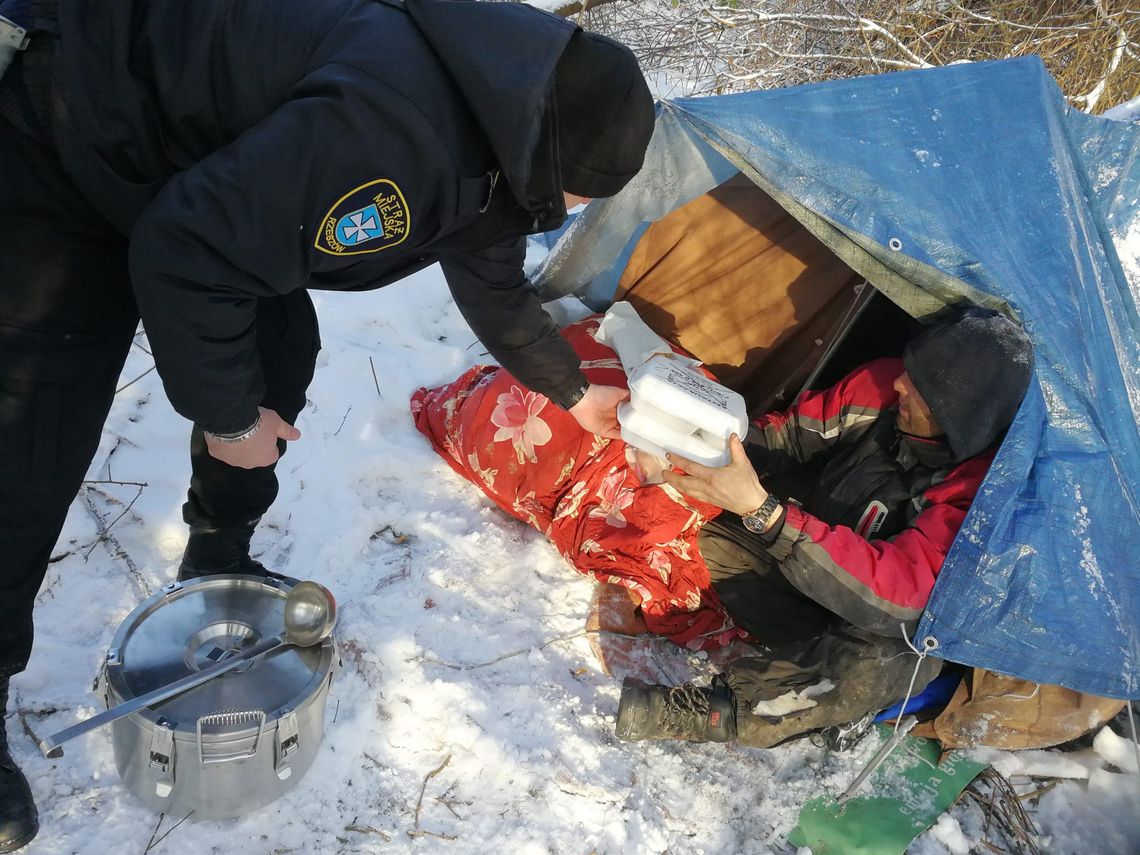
(757, 521)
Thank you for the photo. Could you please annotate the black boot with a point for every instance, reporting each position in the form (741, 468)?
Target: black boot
(682, 712)
(18, 819)
(214, 551)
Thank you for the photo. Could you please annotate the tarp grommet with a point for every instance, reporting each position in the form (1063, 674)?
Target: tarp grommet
(929, 643)
(895, 244)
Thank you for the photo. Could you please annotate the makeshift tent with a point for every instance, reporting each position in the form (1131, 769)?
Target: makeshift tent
(971, 183)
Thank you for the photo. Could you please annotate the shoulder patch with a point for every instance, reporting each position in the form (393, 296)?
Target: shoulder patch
(370, 218)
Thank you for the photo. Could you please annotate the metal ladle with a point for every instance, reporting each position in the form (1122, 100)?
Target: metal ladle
(310, 615)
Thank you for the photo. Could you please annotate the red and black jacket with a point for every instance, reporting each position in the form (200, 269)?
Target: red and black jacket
(866, 534)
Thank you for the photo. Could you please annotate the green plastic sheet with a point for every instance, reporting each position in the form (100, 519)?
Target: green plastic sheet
(902, 799)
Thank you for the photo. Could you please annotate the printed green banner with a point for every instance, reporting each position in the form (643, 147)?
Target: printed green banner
(901, 800)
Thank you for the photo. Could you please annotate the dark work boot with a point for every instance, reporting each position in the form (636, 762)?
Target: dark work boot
(215, 551)
(18, 819)
(676, 712)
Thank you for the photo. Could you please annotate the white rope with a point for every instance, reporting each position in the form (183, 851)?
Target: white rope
(1135, 741)
(929, 644)
(903, 722)
(1036, 691)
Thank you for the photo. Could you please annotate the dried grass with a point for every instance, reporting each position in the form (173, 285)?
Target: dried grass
(1008, 828)
(1091, 47)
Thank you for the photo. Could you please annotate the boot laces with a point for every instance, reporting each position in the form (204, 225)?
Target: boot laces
(685, 706)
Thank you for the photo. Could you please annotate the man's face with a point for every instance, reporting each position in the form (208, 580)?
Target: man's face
(914, 413)
(573, 201)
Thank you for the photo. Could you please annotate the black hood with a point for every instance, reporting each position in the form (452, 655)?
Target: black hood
(972, 370)
(502, 58)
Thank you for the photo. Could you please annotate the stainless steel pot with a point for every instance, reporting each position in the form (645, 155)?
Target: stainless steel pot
(237, 742)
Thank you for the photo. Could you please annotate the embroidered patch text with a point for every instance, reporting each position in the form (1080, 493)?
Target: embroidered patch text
(370, 218)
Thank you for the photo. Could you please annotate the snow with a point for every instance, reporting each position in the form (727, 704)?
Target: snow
(793, 701)
(470, 714)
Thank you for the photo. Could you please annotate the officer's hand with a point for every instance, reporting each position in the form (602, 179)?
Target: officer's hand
(260, 449)
(734, 487)
(597, 411)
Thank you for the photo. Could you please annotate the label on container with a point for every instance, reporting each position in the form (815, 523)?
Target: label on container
(697, 386)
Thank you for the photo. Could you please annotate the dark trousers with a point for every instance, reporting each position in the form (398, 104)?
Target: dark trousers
(839, 672)
(67, 319)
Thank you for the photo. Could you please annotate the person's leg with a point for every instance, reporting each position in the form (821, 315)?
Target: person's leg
(67, 317)
(764, 700)
(832, 680)
(811, 671)
(225, 502)
(761, 601)
(752, 588)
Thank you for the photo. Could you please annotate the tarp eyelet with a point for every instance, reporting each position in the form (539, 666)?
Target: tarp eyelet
(895, 244)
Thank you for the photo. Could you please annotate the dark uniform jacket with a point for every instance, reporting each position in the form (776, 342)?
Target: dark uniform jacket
(879, 509)
(252, 148)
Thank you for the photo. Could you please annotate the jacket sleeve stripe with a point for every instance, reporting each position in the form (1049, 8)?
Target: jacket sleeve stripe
(821, 419)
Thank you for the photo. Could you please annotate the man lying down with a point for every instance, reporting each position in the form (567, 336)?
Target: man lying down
(838, 514)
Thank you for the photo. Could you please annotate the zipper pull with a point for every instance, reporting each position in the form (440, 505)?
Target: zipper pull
(490, 191)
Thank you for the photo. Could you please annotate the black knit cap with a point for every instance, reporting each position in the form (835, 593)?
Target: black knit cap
(972, 370)
(605, 115)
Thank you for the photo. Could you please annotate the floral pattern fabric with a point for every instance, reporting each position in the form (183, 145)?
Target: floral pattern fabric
(535, 462)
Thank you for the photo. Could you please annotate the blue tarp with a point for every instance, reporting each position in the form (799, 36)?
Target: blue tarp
(978, 182)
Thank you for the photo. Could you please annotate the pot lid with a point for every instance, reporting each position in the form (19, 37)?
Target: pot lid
(191, 625)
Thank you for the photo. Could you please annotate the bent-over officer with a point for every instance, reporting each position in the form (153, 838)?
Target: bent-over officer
(202, 164)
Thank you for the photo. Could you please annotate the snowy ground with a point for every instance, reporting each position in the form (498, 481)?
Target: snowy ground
(464, 652)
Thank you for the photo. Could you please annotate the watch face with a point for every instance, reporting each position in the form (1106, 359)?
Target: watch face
(758, 520)
(753, 524)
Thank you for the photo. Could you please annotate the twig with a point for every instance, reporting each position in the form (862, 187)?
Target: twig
(450, 803)
(373, 760)
(423, 789)
(140, 484)
(106, 536)
(368, 829)
(342, 421)
(457, 667)
(1090, 99)
(155, 844)
(374, 380)
(154, 833)
(398, 539)
(23, 714)
(136, 380)
(105, 533)
(418, 833)
(1004, 813)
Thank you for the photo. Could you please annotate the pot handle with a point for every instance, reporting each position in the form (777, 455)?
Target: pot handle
(229, 718)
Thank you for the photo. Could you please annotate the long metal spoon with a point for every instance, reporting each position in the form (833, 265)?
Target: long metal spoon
(310, 615)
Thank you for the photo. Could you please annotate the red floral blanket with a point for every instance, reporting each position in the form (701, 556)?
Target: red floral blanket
(532, 458)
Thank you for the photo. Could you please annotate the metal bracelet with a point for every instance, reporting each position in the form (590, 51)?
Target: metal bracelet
(240, 436)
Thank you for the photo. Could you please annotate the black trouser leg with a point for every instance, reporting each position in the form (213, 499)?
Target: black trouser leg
(67, 317)
(223, 496)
